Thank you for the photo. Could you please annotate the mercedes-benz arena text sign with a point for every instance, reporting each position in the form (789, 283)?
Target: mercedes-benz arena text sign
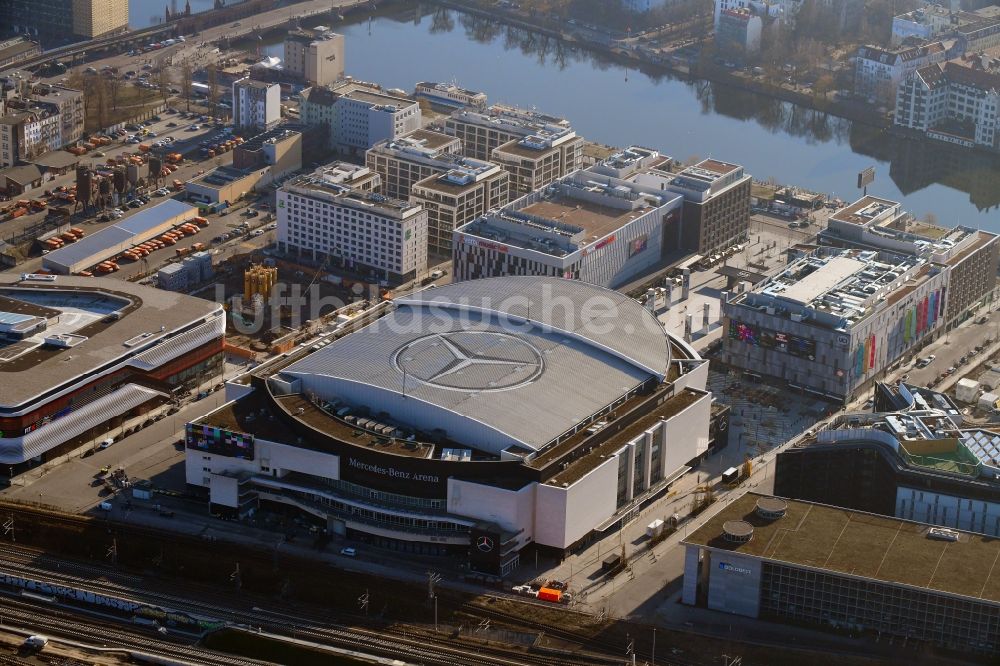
(470, 361)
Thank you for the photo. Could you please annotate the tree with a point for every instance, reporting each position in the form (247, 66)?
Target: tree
(187, 78)
(99, 90)
(213, 88)
(114, 85)
(163, 83)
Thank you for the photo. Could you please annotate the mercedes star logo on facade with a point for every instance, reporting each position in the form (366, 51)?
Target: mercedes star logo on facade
(470, 361)
(484, 543)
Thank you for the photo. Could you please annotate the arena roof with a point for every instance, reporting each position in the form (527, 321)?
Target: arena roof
(506, 361)
(145, 315)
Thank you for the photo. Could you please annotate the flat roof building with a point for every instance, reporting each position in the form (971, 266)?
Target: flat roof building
(969, 255)
(483, 130)
(420, 154)
(256, 104)
(540, 158)
(315, 56)
(108, 351)
(788, 560)
(458, 196)
(470, 435)
(716, 195)
(112, 240)
(831, 321)
(604, 233)
(365, 232)
(358, 115)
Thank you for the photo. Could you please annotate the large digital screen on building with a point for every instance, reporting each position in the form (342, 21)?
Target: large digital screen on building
(762, 337)
(219, 441)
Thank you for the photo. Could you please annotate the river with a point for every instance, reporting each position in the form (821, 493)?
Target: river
(618, 105)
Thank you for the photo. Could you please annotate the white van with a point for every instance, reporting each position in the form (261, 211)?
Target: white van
(105, 506)
(36, 642)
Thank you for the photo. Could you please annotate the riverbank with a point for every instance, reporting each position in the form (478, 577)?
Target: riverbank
(693, 69)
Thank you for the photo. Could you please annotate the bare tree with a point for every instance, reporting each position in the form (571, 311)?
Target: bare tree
(213, 88)
(99, 90)
(187, 79)
(114, 85)
(163, 83)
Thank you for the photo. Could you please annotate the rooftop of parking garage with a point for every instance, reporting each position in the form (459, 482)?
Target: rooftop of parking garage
(862, 545)
(88, 302)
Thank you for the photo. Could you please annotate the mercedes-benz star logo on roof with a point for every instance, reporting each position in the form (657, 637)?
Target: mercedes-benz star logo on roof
(484, 543)
(470, 361)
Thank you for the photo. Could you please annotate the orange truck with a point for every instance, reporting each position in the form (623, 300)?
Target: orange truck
(178, 186)
(144, 148)
(197, 247)
(549, 594)
(200, 221)
(181, 251)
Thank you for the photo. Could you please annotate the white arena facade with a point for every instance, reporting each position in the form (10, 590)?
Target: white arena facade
(482, 417)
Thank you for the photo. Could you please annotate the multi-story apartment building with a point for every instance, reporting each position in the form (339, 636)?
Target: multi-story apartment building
(835, 319)
(420, 154)
(29, 131)
(256, 104)
(482, 131)
(358, 115)
(716, 196)
(70, 105)
(879, 70)
(363, 232)
(957, 102)
(315, 57)
(540, 158)
(457, 197)
(575, 228)
(738, 33)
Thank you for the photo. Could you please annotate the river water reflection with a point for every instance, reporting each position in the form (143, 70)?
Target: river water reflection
(618, 105)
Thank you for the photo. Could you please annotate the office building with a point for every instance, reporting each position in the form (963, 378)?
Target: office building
(716, 196)
(420, 154)
(540, 158)
(914, 458)
(98, 18)
(834, 320)
(364, 232)
(256, 104)
(358, 115)
(458, 196)
(55, 22)
(603, 232)
(86, 355)
(410, 430)
(482, 131)
(956, 102)
(968, 255)
(879, 70)
(314, 56)
(806, 563)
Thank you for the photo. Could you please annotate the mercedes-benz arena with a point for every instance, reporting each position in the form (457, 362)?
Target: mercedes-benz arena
(479, 417)
(82, 357)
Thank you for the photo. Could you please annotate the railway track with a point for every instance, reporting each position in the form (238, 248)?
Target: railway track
(56, 622)
(392, 642)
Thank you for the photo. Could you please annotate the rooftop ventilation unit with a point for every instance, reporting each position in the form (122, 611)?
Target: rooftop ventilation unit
(771, 508)
(737, 531)
(942, 534)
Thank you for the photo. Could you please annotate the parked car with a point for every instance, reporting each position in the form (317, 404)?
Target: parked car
(348, 552)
